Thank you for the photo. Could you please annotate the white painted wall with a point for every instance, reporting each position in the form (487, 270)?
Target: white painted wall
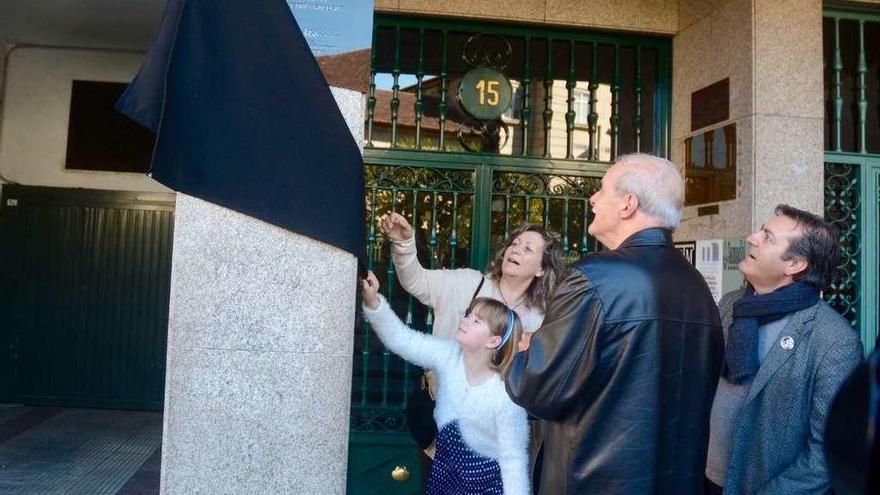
(35, 112)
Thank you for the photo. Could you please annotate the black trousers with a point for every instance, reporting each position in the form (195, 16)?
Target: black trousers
(710, 488)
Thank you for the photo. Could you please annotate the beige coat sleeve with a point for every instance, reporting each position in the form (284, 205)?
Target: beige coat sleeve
(444, 290)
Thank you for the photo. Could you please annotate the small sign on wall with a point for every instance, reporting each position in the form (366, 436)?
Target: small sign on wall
(717, 261)
(688, 249)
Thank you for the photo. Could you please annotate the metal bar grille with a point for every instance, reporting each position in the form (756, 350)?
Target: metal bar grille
(417, 64)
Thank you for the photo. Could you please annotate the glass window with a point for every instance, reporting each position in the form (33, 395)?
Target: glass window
(710, 166)
(581, 106)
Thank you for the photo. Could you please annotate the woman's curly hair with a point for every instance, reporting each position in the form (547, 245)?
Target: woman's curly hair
(553, 263)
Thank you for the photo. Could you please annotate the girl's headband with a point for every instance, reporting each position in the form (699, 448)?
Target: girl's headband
(508, 330)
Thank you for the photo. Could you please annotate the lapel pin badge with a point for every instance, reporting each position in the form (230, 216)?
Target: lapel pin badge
(787, 343)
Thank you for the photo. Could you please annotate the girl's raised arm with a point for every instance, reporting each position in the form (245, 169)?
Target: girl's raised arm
(416, 347)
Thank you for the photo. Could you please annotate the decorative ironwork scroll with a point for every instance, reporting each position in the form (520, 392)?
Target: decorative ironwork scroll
(842, 206)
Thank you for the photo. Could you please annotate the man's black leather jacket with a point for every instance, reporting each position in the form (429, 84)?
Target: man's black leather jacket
(624, 371)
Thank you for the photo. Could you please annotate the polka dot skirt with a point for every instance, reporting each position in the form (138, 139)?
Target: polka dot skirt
(458, 470)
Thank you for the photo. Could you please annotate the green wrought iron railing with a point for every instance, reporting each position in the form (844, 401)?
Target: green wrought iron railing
(852, 79)
(416, 64)
(842, 208)
(852, 204)
(852, 161)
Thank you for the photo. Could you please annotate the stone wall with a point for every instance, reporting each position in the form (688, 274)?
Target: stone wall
(642, 16)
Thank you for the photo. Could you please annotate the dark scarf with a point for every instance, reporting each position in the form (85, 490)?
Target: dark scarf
(752, 311)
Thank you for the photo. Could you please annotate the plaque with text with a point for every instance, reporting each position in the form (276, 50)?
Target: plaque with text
(710, 105)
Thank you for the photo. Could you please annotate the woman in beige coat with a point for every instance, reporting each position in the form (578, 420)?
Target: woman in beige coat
(522, 275)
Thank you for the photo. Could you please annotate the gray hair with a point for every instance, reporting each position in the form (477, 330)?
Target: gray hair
(656, 182)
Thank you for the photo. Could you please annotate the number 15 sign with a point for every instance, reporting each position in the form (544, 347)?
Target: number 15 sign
(485, 93)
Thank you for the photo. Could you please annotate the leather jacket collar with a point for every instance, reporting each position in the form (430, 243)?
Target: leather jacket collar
(655, 236)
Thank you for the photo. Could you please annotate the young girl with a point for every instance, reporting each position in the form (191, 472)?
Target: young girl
(482, 444)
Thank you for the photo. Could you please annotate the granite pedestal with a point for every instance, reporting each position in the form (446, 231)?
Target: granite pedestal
(260, 339)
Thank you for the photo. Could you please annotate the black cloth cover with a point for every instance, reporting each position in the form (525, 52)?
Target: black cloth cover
(245, 119)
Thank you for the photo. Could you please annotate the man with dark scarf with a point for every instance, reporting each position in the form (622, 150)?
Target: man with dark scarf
(787, 354)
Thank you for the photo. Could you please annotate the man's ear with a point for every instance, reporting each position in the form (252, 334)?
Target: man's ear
(630, 205)
(795, 266)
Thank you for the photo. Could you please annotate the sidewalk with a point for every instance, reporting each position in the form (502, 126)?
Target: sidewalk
(52, 450)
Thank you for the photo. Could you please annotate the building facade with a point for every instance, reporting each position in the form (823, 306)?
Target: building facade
(760, 102)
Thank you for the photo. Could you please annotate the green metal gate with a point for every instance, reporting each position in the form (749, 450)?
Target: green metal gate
(611, 97)
(852, 161)
(852, 204)
(84, 296)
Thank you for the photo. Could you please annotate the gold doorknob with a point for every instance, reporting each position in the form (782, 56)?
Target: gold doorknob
(400, 473)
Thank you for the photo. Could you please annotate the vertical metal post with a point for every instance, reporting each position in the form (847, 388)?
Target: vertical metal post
(862, 69)
(432, 244)
(565, 212)
(395, 88)
(593, 117)
(420, 75)
(410, 303)
(837, 68)
(371, 99)
(410, 300)
(443, 76)
(526, 114)
(506, 215)
(546, 220)
(638, 121)
(371, 259)
(481, 216)
(584, 239)
(453, 234)
(570, 84)
(615, 104)
(548, 97)
(389, 295)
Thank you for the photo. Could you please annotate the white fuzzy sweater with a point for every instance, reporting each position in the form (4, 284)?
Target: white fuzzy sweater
(490, 423)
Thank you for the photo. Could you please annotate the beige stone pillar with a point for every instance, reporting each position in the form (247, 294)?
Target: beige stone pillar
(771, 50)
(788, 100)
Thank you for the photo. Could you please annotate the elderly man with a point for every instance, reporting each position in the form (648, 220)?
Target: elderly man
(625, 365)
(787, 354)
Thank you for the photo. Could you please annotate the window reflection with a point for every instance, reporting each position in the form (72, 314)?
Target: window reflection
(710, 166)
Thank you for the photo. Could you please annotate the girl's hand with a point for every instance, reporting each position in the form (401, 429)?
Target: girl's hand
(370, 291)
(524, 342)
(395, 226)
